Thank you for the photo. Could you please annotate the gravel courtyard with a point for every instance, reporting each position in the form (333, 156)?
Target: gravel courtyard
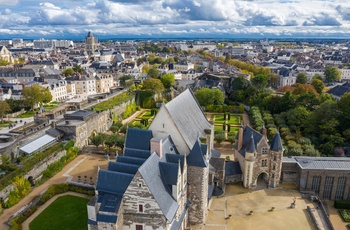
(232, 210)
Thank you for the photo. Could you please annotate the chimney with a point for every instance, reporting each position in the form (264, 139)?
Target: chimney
(209, 142)
(240, 138)
(156, 146)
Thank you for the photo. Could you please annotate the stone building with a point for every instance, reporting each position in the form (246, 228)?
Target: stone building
(165, 179)
(259, 161)
(327, 177)
(104, 83)
(81, 124)
(91, 43)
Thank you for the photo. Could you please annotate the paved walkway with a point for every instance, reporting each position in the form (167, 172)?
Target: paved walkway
(25, 225)
(59, 178)
(132, 117)
(19, 124)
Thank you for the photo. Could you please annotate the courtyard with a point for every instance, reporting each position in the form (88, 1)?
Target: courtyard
(270, 209)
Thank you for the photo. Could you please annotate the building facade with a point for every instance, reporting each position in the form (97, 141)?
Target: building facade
(91, 43)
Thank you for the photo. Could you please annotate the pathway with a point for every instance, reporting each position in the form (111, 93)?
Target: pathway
(59, 178)
(132, 117)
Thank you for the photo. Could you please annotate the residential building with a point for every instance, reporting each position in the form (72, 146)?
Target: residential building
(84, 85)
(104, 83)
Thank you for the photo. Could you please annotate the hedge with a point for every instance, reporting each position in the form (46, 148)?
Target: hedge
(345, 213)
(224, 108)
(50, 192)
(342, 204)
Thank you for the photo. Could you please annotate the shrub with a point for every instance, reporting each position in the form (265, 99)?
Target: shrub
(130, 109)
(345, 213)
(21, 189)
(342, 204)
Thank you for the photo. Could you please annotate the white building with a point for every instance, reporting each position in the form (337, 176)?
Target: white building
(345, 74)
(185, 66)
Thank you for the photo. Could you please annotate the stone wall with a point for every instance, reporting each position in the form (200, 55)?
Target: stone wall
(137, 194)
(118, 110)
(197, 194)
(35, 172)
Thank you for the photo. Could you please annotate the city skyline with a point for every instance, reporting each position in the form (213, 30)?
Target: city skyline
(174, 18)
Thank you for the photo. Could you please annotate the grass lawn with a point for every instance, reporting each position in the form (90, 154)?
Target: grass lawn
(136, 122)
(234, 129)
(219, 119)
(5, 124)
(27, 114)
(234, 120)
(66, 212)
(218, 127)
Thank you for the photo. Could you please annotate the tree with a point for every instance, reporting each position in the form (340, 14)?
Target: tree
(239, 83)
(36, 94)
(153, 73)
(168, 80)
(4, 62)
(206, 96)
(153, 85)
(301, 78)
(317, 76)
(68, 72)
(260, 81)
(318, 85)
(219, 136)
(78, 69)
(111, 140)
(274, 79)
(4, 109)
(332, 73)
(97, 140)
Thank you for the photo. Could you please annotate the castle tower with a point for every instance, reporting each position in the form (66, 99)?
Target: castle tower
(276, 154)
(250, 157)
(91, 43)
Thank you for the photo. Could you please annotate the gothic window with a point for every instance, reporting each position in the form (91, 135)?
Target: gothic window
(328, 187)
(340, 188)
(274, 167)
(264, 150)
(263, 163)
(275, 158)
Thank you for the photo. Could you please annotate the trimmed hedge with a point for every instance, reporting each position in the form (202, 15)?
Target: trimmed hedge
(342, 204)
(345, 213)
(50, 192)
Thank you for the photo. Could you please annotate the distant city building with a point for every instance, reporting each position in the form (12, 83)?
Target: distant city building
(43, 44)
(91, 43)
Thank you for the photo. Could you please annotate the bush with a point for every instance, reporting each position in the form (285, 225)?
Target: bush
(342, 204)
(21, 188)
(345, 213)
(130, 109)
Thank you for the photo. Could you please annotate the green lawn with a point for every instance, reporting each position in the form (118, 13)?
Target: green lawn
(66, 212)
(5, 124)
(27, 114)
(219, 118)
(234, 120)
(217, 127)
(234, 129)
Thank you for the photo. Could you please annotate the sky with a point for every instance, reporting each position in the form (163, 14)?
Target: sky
(174, 18)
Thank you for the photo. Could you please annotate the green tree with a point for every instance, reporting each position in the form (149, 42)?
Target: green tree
(78, 69)
(206, 96)
(153, 73)
(318, 85)
(239, 83)
(296, 117)
(68, 72)
(36, 94)
(332, 73)
(274, 79)
(168, 80)
(317, 76)
(153, 85)
(97, 140)
(124, 79)
(4, 62)
(260, 81)
(301, 78)
(111, 140)
(4, 109)
(219, 136)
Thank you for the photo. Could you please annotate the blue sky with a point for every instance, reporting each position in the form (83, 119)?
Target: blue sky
(174, 18)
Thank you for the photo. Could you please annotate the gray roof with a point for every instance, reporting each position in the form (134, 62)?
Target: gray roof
(175, 158)
(247, 135)
(330, 163)
(113, 182)
(196, 157)
(37, 144)
(123, 167)
(188, 117)
(232, 168)
(150, 172)
(251, 146)
(138, 138)
(276, 143)
(169, 172)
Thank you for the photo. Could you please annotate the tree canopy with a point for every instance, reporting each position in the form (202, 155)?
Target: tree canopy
(318, 85)
(68, 72)
(36, 94)
(168, 80)
(4, 109)
(260, 81)
(206, 96)
(153, 85)
(301, 78)
(153, 72)
(332, 73)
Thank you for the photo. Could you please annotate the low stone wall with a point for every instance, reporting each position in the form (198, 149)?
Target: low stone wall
(12, 115)
(35, 172)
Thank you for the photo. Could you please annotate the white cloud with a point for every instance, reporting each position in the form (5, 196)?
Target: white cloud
(8, 2)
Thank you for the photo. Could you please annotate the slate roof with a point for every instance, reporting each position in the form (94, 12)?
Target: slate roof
(139, 153)
(138, 138)
(54, 132)
(113, 182)
(339, 90)
(151, 174)
(169, 173)
(107, 218)
(188, 117)
(251, 146)
(276, 143)
(247, 135)
(123, 167)
(175, 158)
(232, 168)
(196, 156)
(320, 163)
(169, 146)
(131, 160)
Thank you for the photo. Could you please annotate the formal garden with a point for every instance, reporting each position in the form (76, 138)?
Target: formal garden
(66, 212)
(145, 118)
(343, 207)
